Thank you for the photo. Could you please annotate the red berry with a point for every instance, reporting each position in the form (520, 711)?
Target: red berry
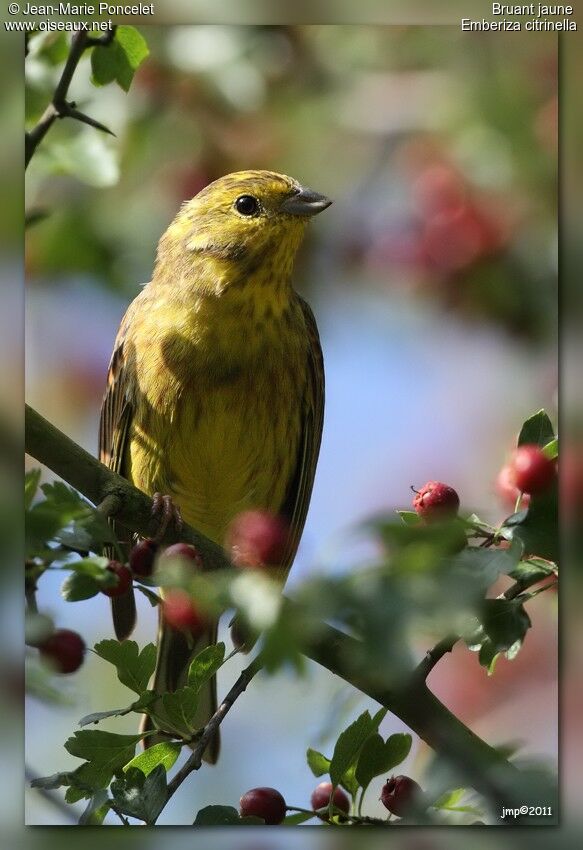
(266, 803)
(507, 490)
(399, 795)
(436, 501)
(124, 579)
(142, 557)
(180, 612)
(532, 471)
(257, 539)
(185, 551)
(64, 650)
(321, 797)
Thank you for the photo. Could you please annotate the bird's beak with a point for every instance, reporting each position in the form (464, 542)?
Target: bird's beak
(305, 202)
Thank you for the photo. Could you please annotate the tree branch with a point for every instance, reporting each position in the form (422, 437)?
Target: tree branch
(96, 482)
(481, 765)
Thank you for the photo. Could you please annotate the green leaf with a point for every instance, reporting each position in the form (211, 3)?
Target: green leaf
(94, 567)
(164, 753)
(378, 756)
(97, 716)
(89, 576)
(134, 667)
(537, 430)
(485, 565)
(318, 763)
(450, 802)
(66, 499)
(205, 665)
(504, 622)
(145, 700)
(551, 450)
(96, 810)
(141, 796)
(31, 482)
(224, 816)
(54, 48)
(348, 746)
(409, 517)
(55, 780)
(488, 656)
(106, 751)
(537, 527)
(120, 59)
(175, 712)
(349, 782)
(296, 818)
(60, 506)
(152, 597)
(78, 586)
(533, 570)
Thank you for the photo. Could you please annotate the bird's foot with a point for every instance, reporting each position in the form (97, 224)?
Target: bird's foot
(168, 513)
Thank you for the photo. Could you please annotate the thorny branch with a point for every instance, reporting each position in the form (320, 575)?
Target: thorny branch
(59, 107)
(481, 765)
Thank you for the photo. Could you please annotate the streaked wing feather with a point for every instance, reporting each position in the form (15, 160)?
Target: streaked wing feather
(114, 428)
(295, 507)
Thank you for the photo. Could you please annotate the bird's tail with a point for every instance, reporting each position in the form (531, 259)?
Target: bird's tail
(176, 649)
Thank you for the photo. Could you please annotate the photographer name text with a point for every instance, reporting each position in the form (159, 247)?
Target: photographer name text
(87, 9)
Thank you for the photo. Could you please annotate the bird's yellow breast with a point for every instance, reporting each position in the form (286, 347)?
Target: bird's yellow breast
(220, 403)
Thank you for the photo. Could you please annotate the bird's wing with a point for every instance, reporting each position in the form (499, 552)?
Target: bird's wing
(114, 428)
(296, 503)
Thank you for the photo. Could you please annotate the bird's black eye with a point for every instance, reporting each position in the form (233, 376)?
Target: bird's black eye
(247, 205)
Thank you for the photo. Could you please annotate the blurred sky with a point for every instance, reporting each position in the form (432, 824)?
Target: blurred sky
(434, 353)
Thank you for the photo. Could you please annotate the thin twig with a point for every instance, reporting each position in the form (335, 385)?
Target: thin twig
(195, 760)
(114, 808)
(433, 656)
(59, 107)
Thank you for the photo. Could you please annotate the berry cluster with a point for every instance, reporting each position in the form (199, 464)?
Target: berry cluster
(400, 795)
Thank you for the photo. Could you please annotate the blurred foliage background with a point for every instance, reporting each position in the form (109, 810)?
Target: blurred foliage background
(433, 279)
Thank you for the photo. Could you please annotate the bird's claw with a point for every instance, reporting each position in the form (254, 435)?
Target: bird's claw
(168, 513)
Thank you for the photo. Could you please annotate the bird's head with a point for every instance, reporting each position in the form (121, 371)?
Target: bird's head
(242, 226)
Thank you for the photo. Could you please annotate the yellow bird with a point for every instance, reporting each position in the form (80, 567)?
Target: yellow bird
(215, 391)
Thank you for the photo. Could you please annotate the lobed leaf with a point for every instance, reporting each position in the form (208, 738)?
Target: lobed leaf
(106, 750)
(348, 746)
(164, 754)
(134, 667)
(141, 796)
(205, 665)
(176, 711)
(378, 756)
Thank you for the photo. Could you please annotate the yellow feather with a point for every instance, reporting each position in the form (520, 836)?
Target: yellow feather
(218, 360)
